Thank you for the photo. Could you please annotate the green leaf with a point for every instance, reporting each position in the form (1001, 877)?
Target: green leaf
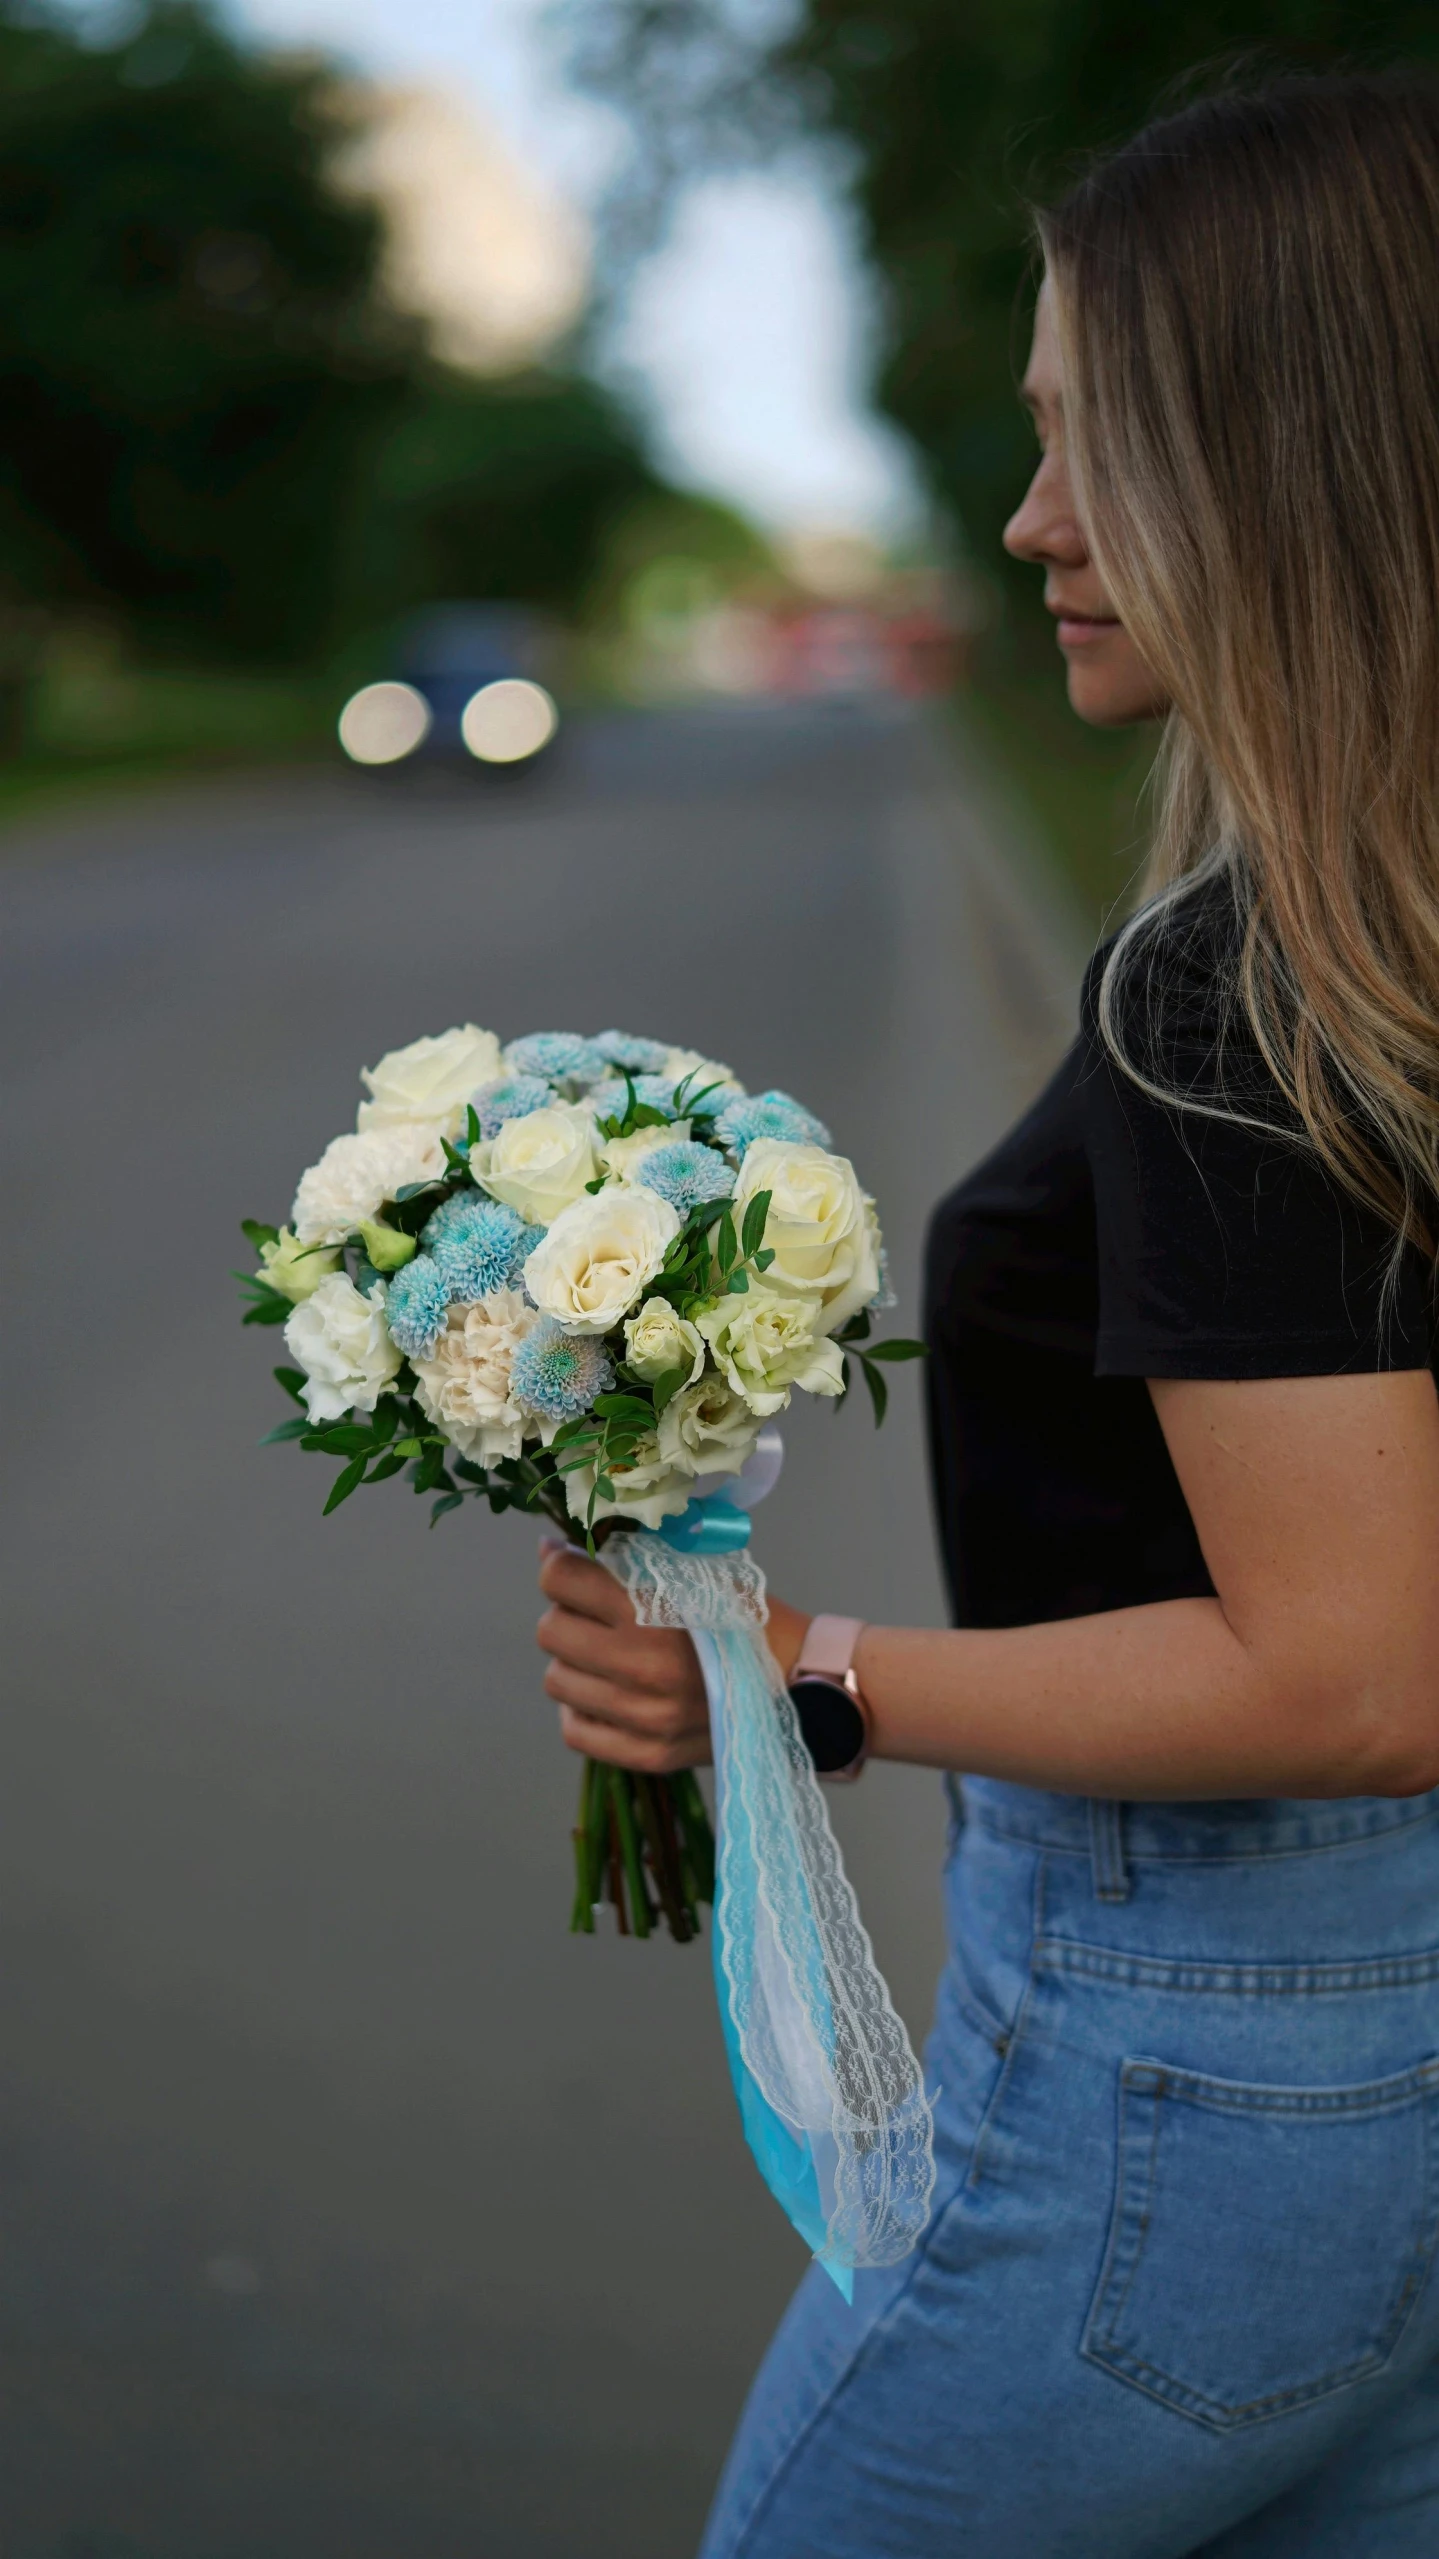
(292, 1380)
(605, 1490)
(666, 1388)
(472, 1125)
(344, 1485)
(763, 1260)
(392, 1463)
(342, 1439)
(737, 1283)
(472, 1474)
(385, 1420)
(878, 1390)
(857, 1329)
(446, 1502)
(726, 1246)
(597, 1184)
(273, 1310)
(754, 1224)
(414, 1191)
(895, 1350)
(637, 1406)
(258, 1234)
(294, 1428)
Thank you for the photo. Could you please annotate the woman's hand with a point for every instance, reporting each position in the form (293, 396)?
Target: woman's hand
(633, 1695)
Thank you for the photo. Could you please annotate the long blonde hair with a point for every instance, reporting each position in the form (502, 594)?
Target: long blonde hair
(1248, 303)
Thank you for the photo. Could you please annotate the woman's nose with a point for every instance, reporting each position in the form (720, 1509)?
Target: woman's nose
(1042, 527)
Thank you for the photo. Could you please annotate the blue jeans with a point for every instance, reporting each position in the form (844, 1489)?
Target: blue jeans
(1177, 2295)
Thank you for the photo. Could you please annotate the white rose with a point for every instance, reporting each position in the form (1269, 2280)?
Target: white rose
(658, 1341)
(646, 1493)
(540, 1163)
(430, 1080)
(620, 1156)
(704, 1070)
(600, 1255)
(464, 1385)
(339, 1339)
(820, 1228)
(765, 1342)
(707, 1429)
(356, 1175)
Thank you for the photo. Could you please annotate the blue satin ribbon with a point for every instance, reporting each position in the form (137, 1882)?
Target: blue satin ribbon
(712, 1527)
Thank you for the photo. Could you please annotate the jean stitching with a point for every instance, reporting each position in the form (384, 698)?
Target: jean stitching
(1371, 1833)
(1016, 2034)
(1074, 1957)
(1100, 2344)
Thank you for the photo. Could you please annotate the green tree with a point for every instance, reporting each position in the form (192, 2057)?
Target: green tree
(945, 115)
(193, 364)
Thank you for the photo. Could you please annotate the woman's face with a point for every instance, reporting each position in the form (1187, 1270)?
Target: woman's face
(1109, 683)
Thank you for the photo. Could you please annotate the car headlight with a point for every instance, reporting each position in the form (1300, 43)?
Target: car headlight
(508, 720)
(383, 723)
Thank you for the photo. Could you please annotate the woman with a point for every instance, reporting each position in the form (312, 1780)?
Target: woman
(1178, 2291)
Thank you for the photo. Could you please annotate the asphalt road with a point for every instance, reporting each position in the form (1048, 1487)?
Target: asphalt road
(349, 2208)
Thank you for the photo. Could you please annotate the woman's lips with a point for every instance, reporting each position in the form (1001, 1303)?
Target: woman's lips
(1079, 630)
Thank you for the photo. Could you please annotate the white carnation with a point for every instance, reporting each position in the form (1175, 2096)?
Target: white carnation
(339, 1339)
(430, 1080)
(356, 1175)
(820, 1228)
(600, 1256)
(464, 1385)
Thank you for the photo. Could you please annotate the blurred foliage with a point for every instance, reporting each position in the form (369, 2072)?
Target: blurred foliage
(945, 119)
(214, 434)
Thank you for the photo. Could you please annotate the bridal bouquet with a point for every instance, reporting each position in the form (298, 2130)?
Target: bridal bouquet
(580, 1276)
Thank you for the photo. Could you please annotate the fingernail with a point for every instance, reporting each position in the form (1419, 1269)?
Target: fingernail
(551, 1542)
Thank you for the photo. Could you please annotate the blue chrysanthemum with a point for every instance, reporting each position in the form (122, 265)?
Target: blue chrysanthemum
(415, 1306)
(559, 1374)
(477, 1245)
(510, 1097)
(625, 1048)
(775, 1115)
(560, 1057)
(686, 1174)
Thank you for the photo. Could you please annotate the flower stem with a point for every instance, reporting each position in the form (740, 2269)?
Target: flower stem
(664, 1863)
(622, 1800)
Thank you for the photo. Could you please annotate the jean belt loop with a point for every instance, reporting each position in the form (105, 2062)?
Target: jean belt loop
(1106, 1849)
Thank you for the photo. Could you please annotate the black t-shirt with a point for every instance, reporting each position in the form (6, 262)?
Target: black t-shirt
(1111, 1238)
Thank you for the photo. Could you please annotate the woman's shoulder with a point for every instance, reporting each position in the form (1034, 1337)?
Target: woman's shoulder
(1164, 992)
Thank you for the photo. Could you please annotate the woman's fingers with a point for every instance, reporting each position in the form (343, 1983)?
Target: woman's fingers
(636, 1656)
(576, 1582)
(639, 1751)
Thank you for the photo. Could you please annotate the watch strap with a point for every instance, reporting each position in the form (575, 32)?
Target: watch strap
(828, 1648)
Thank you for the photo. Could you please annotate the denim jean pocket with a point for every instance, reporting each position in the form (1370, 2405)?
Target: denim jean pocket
(1267, 2245)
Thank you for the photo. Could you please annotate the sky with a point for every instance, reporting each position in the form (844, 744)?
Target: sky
(746, 335)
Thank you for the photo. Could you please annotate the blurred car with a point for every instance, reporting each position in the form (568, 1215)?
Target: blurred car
(466, 689)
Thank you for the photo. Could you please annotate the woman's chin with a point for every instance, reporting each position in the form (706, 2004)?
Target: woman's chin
(1110, 687)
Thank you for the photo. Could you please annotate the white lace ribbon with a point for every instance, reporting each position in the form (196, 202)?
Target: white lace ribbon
(830, 2090)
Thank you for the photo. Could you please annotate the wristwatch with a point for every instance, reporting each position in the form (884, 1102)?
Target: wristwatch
(834, 1718)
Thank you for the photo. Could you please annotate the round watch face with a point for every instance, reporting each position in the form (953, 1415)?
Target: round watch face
(830, 1723)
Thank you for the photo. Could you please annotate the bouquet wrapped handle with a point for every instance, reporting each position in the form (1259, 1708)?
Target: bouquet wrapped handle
(830, 2091)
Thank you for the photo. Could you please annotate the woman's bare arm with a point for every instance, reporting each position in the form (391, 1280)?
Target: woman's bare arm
(1314, 1672)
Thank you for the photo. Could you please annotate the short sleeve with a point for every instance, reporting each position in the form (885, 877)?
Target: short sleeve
(1225, 1250)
